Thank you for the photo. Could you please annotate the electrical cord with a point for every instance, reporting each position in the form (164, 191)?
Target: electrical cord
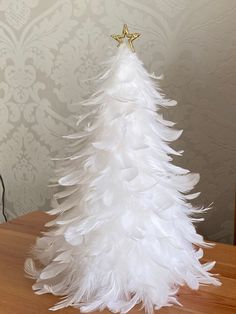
(3, 198)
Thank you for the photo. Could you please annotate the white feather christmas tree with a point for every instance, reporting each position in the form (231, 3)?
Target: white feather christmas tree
(124, 230)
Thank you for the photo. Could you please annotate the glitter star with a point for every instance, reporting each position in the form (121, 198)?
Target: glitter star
(125, 33)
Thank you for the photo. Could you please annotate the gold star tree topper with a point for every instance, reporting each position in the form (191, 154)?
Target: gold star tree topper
(125, 33)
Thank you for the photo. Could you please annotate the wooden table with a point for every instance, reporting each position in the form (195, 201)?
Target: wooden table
(16, 296)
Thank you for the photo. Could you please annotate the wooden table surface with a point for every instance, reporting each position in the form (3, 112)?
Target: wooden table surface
(17, 297)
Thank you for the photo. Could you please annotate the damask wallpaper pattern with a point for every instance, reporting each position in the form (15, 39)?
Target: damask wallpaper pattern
(50, 51)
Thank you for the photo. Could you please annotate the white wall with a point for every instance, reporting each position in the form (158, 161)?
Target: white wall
(49, 48)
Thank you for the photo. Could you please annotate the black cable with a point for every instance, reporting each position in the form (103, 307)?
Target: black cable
(3, 198)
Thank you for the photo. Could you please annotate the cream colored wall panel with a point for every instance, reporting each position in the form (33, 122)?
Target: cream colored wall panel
(49, 50)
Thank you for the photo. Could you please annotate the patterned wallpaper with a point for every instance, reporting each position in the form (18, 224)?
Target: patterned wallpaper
(49, 50)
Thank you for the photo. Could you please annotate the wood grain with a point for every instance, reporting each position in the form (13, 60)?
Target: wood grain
(17, 297)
